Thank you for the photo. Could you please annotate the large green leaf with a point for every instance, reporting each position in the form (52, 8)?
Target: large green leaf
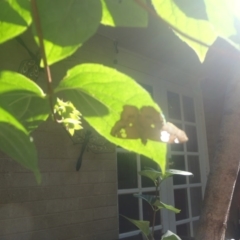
(125, 13)
(170, 236)
(16, 143)
(24, 99)
(66, 25)
(221, 15)
(142, 225)
(198, 29)
(15, 17)
(114, 90)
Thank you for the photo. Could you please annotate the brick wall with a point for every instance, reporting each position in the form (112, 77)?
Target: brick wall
(68, 204)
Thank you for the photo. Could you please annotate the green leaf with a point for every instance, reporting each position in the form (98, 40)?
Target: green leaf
(109, 86)
(142, 225)
(170, 236)
(24, 99)
(161, 205)
(154, 201)
(221, 15)
(198, 29)
(66, 25)
(125, 13)
(15, 17)
(152, 174)
(178, 172)
(16, 143)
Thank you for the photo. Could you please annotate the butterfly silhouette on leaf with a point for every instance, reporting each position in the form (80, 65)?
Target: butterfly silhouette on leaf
(92, 142)
(146, 124)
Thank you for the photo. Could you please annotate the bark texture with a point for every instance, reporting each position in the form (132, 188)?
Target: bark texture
(225, 167)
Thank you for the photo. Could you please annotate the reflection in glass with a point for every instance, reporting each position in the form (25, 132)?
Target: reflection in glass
(188, 109)
(181, 202)
(127, 206)
(145, 163)
(192, 145)
(127, 170)
(179, 164)
(174, 110)
(177, 147)
(193, 167)
(196, 200)
(148, 212)
(183, 230)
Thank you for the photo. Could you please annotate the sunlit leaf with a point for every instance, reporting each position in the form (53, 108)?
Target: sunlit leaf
(24, 99)
(142, 225)
(198, 29)
(170, 236)
(66, 25)
(15, 17)
(221, 15)
(16, 143)
(114, 90)
(125, 13)
(161, 205)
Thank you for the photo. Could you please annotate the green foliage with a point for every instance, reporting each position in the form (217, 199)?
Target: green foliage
(15, 17)
(170, 236)
(154, 201)
(198, 29)
(113, 12)
(24, 99)
(108, 86)
(70, 116)
(66, 25)
(142, 225)
(16, 143)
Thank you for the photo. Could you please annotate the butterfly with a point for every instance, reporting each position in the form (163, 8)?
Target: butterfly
(146, 124)
(91, 141)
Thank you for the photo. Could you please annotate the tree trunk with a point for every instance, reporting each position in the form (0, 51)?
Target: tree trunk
(225, 167)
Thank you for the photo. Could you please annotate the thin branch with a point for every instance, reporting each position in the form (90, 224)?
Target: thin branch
(37, 22)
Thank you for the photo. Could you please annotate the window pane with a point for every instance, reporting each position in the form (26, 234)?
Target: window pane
(193, 167)
(179, 164)
(192, 145)
(181, 202)
(128, 206)
(147, 162)
(188, 109)
(183, 230)
(196, 200)
(127, 170)
(148, 212)
(195, 227)
(177, 147)
(174, 110)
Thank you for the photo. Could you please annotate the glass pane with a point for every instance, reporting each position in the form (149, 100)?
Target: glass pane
(179, 164)
(174, 110)
(147, 162)
(188, 109)
(196, 200)
(128, 206)
(177, 147)
(195, 227)
(193, 167)
(148, 212)
(192, 145)
(181, 202)
(127, 170)
(183, 230)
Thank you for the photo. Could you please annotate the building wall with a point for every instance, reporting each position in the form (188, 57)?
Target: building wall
(67, 204)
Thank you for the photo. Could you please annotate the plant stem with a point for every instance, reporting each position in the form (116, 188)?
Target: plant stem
(37, 22)
(154, 209)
